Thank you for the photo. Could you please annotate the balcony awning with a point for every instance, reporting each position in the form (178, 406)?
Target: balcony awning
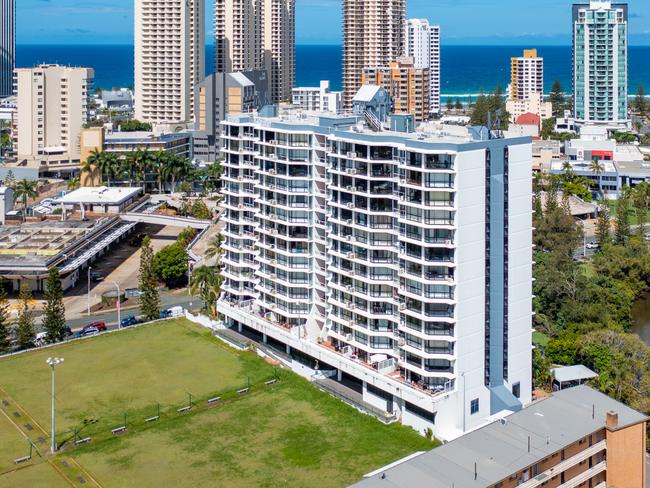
(378, 358)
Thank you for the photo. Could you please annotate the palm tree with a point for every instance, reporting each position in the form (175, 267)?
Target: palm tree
(597, 168)
(91, 164)
(159, 161)
(24, 190)
(141, 163)
(175, 169)
(107, 164)
(74, 183)
(214, 249)
(206, 282)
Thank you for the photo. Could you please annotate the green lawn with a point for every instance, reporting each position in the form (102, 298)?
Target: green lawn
(12, 444)
(288, 434)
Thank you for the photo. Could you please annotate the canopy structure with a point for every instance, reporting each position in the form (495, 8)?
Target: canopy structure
(569, 376)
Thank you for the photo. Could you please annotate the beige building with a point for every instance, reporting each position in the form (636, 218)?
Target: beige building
(169, 58)
(534, 104)
(408, 86)
(257, 35)
(52, 104)
(92, 139)
(526, 75)
(373, 35)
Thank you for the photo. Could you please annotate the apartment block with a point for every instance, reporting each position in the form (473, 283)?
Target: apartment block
(408, 86)
(397, 262)
(256, 35)
(578, 437)
(317, 98)
(169, 58)
(600, 79)
(8, 43)
(534, 104)
(422, 43)
(526, 75)
(373, 35)
(52, 103)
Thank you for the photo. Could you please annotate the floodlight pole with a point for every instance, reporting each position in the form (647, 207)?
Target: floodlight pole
(52, 362)
(89, 268)
(119, 306)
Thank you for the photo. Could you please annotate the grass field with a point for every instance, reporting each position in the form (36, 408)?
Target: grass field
(288, 434)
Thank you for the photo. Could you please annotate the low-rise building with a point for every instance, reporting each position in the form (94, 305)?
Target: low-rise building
(99, 200)
(577, 437)
(120, 100)
(544, 152)
(6, 202)
(534, 104)
(566, 124)
(125, 142)
(317, 98)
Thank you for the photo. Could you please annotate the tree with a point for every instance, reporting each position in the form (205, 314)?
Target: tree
(557, 99)
(25, 334)
(489, 105)
(4, 321)
(458, 105)
(214, 249)
(149, 296)
(548, 127)
(73, 184)
(641, 200)
(640, 105)
(24, 190)
(597, 168)
(10, 179)
(622, 230)
(54, 313)
(170, 264)
(135, 126)
(603, 226)
(450, 104)
(206, 282)
(91, 165)
(108, 164)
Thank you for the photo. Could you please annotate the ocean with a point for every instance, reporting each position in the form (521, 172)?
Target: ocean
(465, 69)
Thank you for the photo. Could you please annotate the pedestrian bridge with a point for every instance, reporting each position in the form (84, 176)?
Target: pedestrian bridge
(165, 220)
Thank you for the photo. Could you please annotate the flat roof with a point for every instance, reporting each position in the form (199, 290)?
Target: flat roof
(501, 448)
(576, 372)
(100, 195)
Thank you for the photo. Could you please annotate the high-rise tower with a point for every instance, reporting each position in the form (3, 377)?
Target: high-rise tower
(254, 35)
(169, 58)
(422, 43)
(600, 40)
(7, 46)
(526, 75)
(373, 35)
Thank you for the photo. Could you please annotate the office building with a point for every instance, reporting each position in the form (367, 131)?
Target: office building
(373, 35)
(169, 58)
(408, 86)
(256, 35)
(600, 82)
(7, 46)
(576, 438)
(317, 98)
(422, 43)
(52, 103)
(526, 75)
(400, 262)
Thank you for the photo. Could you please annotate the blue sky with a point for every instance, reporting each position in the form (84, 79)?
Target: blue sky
(542, 22)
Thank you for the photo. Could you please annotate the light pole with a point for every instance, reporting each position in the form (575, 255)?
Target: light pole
(51, 363)
(119, 306)
(89, 268)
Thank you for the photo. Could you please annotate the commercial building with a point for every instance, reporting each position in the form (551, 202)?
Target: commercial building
(52, 104)
(8, 46)
(373, 35)
(169, 58)
(99, 200)
(600, 45)
(534, 104)
(317, 98)
(526, 75)
(179, 143)
(225, 93)
(407, 85)
(257, 35)
(422, 43)
(576, 438)
(400, 262)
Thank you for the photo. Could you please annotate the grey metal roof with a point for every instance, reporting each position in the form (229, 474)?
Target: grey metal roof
(573, 373)
(501, 448)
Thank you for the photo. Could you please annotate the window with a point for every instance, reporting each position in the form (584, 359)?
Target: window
(516, 390)
(473, 406)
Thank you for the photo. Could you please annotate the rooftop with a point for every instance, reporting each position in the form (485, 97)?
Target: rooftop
(573, 373)
(501, 448)
(100, 195)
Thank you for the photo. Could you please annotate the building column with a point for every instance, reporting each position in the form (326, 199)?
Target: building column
(339, 375)
(264, 339)
(288, 349)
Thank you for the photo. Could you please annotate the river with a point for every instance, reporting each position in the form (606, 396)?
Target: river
(641, 318)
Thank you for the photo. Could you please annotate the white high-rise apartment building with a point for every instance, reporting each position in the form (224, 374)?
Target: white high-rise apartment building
(422, 43)
(401, 262)
(526, 75)
(373, 35)
(600, 45)
(7, 46)
(255, 35)
(169, 58)
(52, 103)
(317, 98)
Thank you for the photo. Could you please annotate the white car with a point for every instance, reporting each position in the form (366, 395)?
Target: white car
(593, 245)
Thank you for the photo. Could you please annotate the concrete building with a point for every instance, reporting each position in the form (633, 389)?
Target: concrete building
(6, 202)
(317, 98)
(600, 45)
(257, 35)
(399, 262)
(534, 104)
(179, 143)
(226, 93)
(576, 438)
(120, 100)
(408, 86)
(100, 200)
(7, 46)
(526, 75)
(52, 104)
(373, 35)
(422, 43)
(169, 58)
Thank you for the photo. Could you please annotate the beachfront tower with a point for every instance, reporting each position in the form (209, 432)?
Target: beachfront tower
(7, 46)
(422, 43)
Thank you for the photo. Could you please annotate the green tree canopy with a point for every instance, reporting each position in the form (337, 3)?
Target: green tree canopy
(149, 295)
(170, 264)
(54, 313)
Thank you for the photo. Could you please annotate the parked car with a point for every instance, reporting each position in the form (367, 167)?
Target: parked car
(593, 245)
(67, 331)
(100, 326)
(89, 331)
(165, 314)
(41, 339)
(129, 321)
(95, 276)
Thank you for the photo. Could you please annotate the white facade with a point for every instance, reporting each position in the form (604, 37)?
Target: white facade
(422, 43)
(7, 46)
(534, 104)
(52, 107)
(401, 260)
(317, 98)
(169, 58)
(527, 75)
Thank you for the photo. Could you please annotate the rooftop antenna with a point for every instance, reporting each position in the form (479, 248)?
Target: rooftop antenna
(475, 472)
(528, 443)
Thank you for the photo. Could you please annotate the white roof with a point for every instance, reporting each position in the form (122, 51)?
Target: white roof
(241, 78)
(100, 195)
(366, 93)
(573, 373)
